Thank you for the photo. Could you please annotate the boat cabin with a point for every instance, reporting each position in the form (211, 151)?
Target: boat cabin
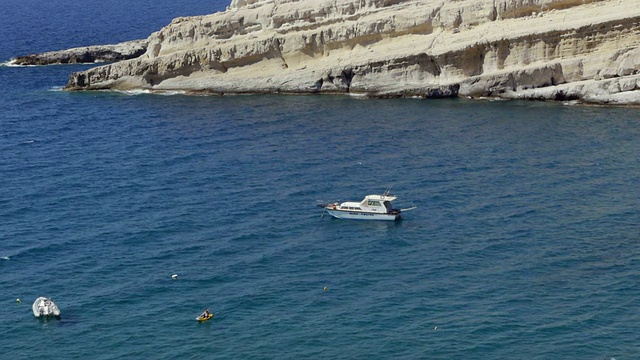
(380, 204)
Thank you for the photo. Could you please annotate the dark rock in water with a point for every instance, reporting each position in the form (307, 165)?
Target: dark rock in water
(89, 54)
(444, 91)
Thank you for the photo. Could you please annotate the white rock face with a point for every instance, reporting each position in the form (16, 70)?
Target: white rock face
(540, 49)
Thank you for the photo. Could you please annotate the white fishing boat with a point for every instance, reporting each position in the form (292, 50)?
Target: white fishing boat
(372, 207)
(44, 307)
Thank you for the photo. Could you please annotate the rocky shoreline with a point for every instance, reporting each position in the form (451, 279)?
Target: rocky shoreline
(87, 54)
(561, 50)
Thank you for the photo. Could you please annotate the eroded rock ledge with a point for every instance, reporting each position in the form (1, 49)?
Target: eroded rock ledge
(584, 50)
(88, 54)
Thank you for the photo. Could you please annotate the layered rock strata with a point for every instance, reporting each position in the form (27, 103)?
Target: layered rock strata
(535, 49)
(88, 54)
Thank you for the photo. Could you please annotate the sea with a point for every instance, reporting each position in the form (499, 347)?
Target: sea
(134, 212)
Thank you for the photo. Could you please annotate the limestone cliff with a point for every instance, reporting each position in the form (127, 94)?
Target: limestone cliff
(540, 49)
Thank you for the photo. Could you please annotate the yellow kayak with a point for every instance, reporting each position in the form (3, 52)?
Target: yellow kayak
(202, 318)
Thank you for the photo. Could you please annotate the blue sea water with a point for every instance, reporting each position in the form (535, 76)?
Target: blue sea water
(525, 243)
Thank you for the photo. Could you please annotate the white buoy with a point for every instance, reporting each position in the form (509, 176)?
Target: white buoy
(18, 300)
(174, 276)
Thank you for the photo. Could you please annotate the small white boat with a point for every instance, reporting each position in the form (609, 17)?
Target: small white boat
(44, 307)
(372, 207)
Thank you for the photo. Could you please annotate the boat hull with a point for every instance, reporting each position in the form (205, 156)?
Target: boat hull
(361, 215)
(44, 307)
(205, 318)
